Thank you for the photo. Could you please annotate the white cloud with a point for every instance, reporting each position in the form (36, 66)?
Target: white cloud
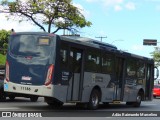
(118, 8)
(118, 5)
(130, 6)
(91, 0)
(82, 10)
(112, 2)
(107, 2)
(9, 24)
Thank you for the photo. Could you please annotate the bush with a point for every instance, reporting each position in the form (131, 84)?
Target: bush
(2, 59)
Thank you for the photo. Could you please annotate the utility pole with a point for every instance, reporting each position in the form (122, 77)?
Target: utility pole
(101, 37)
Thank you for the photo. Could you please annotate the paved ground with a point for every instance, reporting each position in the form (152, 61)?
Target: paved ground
(71, 112)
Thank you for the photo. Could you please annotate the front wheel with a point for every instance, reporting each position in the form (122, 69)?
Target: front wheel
(94, 100)
(138, 100)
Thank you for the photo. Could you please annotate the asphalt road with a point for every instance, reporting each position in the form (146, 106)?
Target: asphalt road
(70, 111)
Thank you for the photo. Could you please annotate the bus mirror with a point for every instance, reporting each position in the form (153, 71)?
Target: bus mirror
(156, 73)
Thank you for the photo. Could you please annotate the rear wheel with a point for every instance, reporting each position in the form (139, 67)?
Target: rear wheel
(34, 98)
(94, 99)
(12, 97)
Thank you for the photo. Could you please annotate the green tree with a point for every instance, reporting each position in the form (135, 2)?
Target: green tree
(156, 56)
(4, 37)
(57, 14)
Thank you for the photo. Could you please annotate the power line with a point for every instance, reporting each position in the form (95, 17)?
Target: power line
(101, 37)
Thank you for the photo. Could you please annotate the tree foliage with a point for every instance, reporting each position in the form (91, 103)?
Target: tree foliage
(4, 37)
(156, 56)
(58, 14)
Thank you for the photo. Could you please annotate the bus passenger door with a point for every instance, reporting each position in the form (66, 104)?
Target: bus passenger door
(149, 82)
(75, 63)
(119, 81)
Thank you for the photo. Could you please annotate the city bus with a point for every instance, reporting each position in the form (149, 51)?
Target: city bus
(73, 69)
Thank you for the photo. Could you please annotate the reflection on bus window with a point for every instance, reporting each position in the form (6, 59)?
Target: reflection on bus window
(107, 63)
(140, 73)
(93, 61)
(26, 45)
(63, 54)
(131, 68)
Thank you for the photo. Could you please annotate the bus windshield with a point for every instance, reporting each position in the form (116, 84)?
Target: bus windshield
(30, 45)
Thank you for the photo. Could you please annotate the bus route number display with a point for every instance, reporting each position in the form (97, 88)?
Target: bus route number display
(43, 41)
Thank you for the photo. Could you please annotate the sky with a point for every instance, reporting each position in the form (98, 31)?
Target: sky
(125, 23)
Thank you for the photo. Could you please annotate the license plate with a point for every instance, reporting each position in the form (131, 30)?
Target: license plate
(5, 86)
(26, 88)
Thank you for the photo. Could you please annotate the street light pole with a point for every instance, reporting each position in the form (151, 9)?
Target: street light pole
(101, 37)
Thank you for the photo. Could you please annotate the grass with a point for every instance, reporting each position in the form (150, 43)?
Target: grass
(2, 59)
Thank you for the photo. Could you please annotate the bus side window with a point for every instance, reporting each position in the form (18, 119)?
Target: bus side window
(131, 72)
(93, 62)
(107, 63)
(131, 68)
(141, 73)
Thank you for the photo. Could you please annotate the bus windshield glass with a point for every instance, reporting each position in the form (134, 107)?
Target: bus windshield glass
(30, 45)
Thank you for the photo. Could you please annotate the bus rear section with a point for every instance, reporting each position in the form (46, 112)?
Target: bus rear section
(29, 65)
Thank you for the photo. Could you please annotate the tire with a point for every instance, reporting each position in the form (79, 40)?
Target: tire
(154, 96)
(34, 98)
(138, 100)
(94, 99)
(12, 97)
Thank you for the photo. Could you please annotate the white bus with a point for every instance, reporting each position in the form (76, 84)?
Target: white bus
(71, 69)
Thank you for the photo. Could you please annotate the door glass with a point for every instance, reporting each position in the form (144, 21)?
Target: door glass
(75, 60)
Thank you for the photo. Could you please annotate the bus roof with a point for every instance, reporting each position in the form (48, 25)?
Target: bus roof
(34, 33)
(101, 45)
(90, 41)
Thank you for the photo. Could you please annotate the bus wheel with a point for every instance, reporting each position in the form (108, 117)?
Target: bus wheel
(12, 97)
(34, 98)
(94, 99)
(138, 100)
